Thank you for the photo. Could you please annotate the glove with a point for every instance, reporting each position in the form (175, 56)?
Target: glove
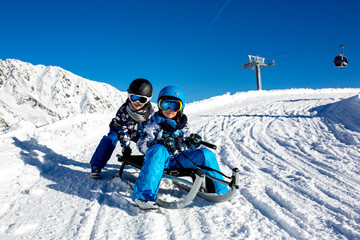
(195, 140)
(115, 125)
(126, 152)
(169, 143)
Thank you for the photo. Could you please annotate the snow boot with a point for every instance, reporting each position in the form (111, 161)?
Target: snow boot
(146, 204)
(95, 172)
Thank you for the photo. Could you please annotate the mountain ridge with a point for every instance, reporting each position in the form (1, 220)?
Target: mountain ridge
(50, 93)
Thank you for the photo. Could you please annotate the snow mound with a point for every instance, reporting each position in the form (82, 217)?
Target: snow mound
(343, 118)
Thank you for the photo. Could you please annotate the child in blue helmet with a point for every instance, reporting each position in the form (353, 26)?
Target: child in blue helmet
(124, 127)
(157, 142)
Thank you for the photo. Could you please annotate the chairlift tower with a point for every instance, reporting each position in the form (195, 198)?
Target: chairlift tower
(256, 63)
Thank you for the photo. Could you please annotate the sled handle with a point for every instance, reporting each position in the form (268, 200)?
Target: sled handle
(209, 145)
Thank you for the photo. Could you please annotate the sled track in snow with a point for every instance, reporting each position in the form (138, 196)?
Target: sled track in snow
(289, 146)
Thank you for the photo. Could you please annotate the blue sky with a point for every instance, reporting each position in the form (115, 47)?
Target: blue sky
(198, 45)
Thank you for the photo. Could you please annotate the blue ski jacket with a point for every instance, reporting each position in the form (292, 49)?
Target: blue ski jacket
(160, 127)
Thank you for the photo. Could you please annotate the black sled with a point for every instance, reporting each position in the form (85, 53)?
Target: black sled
(196, 187)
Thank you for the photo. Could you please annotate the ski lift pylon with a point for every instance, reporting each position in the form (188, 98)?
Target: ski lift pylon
(341, 61)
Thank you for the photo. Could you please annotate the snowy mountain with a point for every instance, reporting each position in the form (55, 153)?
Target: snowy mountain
(297, 150)
(43, 94)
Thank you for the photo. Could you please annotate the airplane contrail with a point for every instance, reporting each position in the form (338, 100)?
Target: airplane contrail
(212, 23)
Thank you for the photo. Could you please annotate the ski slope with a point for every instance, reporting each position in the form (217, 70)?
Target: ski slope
(298, 152)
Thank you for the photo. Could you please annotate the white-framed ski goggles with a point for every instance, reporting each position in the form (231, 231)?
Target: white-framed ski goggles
(138, 98)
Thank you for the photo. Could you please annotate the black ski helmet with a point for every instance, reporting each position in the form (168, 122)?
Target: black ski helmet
(141, 86)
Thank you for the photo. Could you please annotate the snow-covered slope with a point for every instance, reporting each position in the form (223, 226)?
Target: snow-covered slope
(298, 152)
(43, 94)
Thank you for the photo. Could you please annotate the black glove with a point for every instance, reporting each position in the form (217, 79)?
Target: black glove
(195, 140)
(113, 124)
(126, 152)
(169, 143)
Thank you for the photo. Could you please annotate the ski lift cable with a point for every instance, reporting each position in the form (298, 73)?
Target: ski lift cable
(314, 44)
(306, 54)
(212, 77)
(315, 52)
(215, 83)
(352, 43)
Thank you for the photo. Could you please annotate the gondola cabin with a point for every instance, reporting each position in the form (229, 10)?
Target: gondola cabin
(341, 61)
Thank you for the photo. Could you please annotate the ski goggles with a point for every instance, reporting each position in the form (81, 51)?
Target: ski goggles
(174, 105)
(138, 98)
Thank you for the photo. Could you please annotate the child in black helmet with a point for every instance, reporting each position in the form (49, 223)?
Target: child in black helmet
(124, 127)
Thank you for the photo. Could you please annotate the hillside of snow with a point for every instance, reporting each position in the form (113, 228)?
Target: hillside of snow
(40, 94)
(297, 150)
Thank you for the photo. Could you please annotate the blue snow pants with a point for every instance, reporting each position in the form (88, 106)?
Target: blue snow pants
(157, 158)
(104, 150)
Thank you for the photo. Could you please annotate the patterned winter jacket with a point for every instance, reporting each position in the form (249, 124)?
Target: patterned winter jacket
(126, 127)
(160, 127)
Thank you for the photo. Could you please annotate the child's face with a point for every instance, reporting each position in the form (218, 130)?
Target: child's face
(169, 113)
(137, 105)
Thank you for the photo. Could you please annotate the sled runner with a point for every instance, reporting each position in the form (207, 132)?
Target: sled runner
(198, 186)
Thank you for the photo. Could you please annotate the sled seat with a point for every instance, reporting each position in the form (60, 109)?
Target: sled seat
(138, 160)
(196, 187)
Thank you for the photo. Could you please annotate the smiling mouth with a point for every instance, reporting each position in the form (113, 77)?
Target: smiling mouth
(137, 104)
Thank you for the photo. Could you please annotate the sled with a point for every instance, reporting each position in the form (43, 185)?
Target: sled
(196, 187)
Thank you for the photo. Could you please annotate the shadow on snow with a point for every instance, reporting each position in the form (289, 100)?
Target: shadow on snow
(63, 172)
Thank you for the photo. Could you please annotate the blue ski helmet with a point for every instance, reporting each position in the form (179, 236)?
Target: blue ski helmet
(172, 92)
